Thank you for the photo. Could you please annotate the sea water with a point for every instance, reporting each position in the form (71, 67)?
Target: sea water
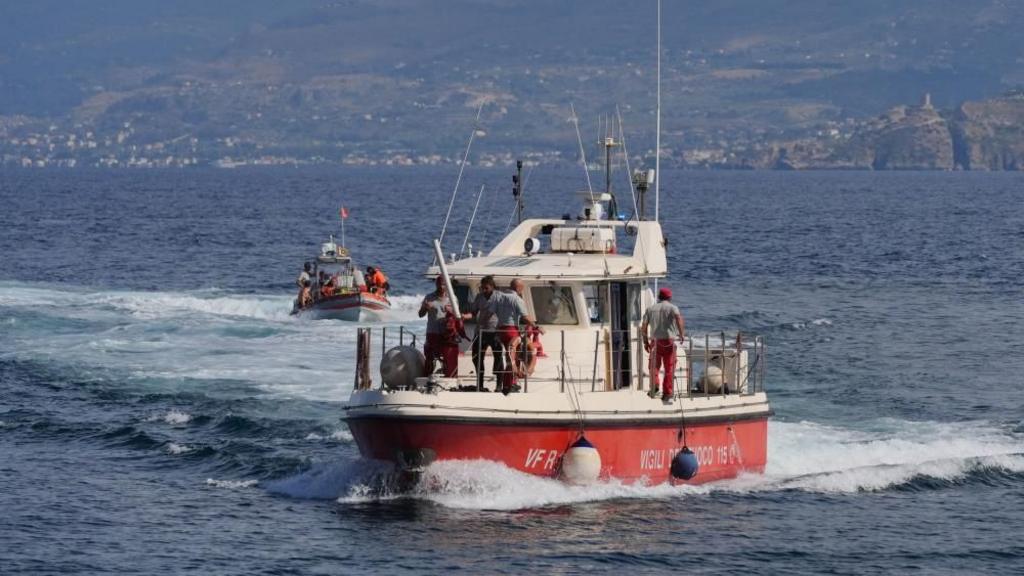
(161, 411)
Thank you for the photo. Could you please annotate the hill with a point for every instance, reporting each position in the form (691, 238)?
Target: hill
(143, 82)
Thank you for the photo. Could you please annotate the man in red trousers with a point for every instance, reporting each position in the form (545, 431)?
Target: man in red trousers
(667, 326)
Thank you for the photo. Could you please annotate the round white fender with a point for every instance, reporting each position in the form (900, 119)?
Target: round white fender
(581, 463)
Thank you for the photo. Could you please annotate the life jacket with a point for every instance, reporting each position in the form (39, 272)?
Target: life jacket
(534, 333)
(454, 329)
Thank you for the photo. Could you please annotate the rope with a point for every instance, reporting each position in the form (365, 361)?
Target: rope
(577, 404)
(681, 435)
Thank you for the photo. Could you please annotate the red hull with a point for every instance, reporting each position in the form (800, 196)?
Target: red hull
(628, 452)
(350, 307)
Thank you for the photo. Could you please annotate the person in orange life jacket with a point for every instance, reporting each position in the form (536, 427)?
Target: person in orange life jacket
(441, 343)
(327, 287)
(376, 280)
(667, 325)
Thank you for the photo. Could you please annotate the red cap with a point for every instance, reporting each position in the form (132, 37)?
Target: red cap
(665, 294)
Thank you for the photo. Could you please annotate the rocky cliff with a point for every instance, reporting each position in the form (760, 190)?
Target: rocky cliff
(989, 135)
(983, 135)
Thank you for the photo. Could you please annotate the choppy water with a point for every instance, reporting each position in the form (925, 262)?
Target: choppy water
(161, 412)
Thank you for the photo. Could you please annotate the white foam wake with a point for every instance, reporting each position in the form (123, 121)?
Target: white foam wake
(189, 338)
(172, 417)
(819, 458)
(802, 456)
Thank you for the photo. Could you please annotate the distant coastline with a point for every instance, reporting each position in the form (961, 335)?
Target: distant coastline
(984, 135)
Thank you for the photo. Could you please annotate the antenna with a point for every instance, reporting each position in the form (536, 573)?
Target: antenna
(610, 142)
(517, 190)
(583, 155)
(657, 130)
(465, 241)
(462, 168)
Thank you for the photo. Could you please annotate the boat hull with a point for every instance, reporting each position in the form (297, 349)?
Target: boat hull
(357, 307)
(630, 451)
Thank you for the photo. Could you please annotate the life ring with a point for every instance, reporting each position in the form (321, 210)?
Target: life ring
(524, 357)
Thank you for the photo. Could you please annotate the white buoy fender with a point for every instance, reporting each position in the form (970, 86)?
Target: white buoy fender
(713, 379)
(581, 463)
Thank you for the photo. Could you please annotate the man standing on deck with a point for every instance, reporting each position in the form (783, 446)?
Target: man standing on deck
(510, 309)
(304, 275)
(667, 325)
(482, 310)
(440, 342)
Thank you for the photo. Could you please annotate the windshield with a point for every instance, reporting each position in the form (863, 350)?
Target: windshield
(554, 305)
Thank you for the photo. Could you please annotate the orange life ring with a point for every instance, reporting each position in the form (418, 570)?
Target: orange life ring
(524, 359)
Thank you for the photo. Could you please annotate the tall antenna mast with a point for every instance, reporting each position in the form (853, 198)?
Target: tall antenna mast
(609, 142)
(462, 168)
(657, 137)
(517, 189)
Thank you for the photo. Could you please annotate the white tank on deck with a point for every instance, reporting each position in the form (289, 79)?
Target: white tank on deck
(401, 366)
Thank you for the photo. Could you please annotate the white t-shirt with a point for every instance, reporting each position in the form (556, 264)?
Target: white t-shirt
(661, 318)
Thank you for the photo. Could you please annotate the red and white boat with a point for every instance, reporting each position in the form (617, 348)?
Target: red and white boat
(588, 282)
(584, 412)
(349, 298)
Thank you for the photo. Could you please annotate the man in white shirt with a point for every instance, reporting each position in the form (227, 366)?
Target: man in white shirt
(440, 344)
(667, 325)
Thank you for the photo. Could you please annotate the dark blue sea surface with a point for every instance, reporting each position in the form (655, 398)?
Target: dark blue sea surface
(161, 412)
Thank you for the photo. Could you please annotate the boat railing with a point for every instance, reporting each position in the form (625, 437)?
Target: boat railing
(387, 339)
(705, 364)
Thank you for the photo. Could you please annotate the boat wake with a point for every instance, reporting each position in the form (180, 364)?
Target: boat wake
(197, 337)
(803, 456)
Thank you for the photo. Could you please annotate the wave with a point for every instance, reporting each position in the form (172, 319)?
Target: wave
(175, 449)
(803, 456)
(340, 435)
(148, 305)
(346, 480)
(182, 340)
(173, 417)
(231, 484)
(819, 458)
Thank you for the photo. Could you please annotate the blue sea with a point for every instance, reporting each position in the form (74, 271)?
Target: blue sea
(161, 412)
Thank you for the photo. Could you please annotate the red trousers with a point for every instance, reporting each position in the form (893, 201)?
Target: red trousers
(506, 334)
(663, 355)
(436, 347)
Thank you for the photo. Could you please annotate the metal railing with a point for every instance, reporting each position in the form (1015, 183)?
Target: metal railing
(705, 365)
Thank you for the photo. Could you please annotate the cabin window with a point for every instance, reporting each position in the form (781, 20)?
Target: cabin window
(463, 295)
(634, 301)
(554, 305)
(596, 297)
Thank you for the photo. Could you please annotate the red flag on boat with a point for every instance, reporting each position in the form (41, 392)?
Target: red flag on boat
(343, 213)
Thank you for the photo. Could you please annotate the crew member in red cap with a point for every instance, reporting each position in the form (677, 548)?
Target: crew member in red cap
(667, 326)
